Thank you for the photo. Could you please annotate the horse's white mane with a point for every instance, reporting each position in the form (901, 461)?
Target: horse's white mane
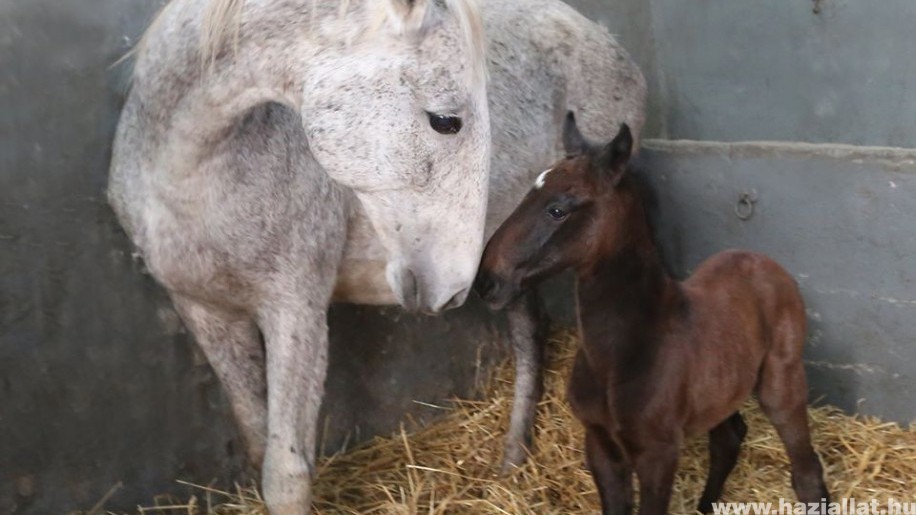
(222, 20)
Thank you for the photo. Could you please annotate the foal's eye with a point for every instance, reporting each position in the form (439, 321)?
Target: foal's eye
(444, 124)
(557, 213)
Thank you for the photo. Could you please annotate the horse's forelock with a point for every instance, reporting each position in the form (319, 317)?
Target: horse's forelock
(466, 12)
(470, 20)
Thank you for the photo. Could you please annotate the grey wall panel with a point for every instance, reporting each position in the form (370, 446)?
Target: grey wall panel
(840, 219)
(750, 70)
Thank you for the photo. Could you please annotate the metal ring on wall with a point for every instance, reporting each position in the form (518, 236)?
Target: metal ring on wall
(744, 208)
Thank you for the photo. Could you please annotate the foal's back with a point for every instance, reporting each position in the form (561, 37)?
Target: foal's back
(744, 310)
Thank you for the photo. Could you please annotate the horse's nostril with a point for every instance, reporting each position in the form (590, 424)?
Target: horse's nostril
(456, 300)
(410, 292)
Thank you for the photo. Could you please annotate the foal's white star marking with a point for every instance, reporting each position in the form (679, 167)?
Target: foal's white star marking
(539, 182)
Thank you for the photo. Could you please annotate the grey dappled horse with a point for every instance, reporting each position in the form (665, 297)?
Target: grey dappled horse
(274, 156)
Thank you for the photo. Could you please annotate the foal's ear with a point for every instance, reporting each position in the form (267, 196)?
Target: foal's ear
(615, 156)
(573, 141)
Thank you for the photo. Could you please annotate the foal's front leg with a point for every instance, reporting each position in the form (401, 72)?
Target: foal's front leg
(655, 467)
(296, 340)
(527, 331)
(612, 476)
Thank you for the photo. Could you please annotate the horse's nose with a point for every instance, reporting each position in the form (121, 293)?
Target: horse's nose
(406, 283)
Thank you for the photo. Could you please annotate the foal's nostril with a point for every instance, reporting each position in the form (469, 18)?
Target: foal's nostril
(483, 284)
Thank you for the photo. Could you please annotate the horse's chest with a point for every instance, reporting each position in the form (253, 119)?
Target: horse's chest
(209, 250)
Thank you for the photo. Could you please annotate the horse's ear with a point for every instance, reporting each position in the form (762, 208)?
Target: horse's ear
(615, 156)
(573, 141)
(409, 16)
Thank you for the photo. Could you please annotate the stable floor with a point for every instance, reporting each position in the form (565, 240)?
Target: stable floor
(450, 467)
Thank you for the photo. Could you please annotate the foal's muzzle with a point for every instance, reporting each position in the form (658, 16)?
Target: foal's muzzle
(496, 292)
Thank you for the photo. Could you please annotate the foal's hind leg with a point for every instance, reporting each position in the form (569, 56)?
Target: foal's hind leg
(783, 394)
(232, 344)
(527, 330)
(724, 446)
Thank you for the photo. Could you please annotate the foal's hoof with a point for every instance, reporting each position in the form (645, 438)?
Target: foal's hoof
(704, 506)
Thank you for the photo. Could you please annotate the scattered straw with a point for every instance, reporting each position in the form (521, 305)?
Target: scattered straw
(450, 467)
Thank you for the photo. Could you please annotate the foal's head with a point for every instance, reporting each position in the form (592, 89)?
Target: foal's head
(575, 214)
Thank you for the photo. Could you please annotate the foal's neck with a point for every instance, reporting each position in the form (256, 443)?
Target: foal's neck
(625, 294)
(631, 285)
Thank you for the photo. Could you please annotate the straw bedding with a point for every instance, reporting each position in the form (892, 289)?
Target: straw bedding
(450, 467)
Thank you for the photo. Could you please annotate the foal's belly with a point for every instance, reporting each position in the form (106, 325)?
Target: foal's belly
(716, 408)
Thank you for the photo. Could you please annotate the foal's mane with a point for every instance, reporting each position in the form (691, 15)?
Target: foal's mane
(640, 186)
(222, 22)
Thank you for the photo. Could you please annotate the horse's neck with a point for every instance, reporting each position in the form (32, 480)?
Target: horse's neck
(193, 103)
(622, 301)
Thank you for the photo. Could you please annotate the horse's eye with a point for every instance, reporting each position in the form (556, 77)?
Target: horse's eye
(557, 213)
(444, 124)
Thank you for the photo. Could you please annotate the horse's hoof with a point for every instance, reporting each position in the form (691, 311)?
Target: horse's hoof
(506, 469)
(289, 509)
(513, 460)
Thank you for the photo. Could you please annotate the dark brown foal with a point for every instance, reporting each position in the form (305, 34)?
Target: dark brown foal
(660, 360)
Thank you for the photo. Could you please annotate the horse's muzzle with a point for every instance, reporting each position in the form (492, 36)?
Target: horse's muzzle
(410, 294)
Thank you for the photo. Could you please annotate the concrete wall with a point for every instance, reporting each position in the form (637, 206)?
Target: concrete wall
(822, 71)
(750, 70)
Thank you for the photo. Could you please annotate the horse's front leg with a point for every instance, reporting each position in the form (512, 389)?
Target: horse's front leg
(296, 341)
(527, 331)
(230, 340)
